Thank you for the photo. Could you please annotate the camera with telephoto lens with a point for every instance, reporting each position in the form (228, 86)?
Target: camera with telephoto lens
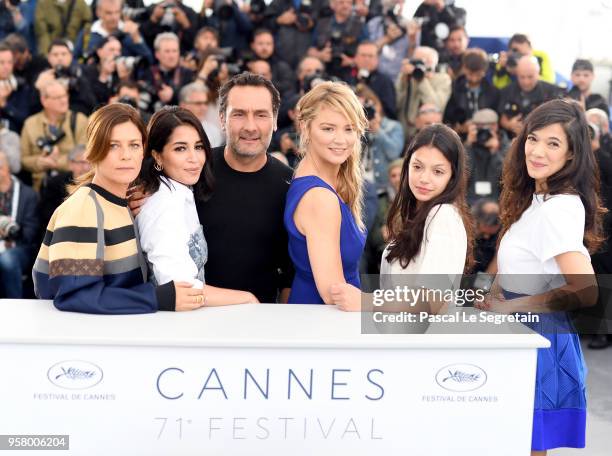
(483, 135)
(9, 227)
(304, 15)
(419, 69)
(46, 143)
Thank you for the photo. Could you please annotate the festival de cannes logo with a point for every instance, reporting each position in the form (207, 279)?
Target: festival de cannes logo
(461, 377)
(75, 374)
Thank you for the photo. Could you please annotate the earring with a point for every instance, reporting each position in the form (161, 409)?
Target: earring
(158, 167)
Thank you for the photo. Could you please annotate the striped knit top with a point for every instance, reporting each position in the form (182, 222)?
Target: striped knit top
(90, 259)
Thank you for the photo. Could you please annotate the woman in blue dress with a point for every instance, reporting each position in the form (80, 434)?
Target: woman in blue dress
(323, 210)
(551, 215)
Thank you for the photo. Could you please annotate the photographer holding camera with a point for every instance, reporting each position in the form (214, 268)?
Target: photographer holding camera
(293, 21)
(521, 97)
(394, 37)
(110, 23)
(262, 48)
(172, 16)
(366, 72)
(18, 231)
(506, 66)
(234, 25)
(485, 150)
(454, 48)
(336, 37)
(108, 69)
(418, 84)
(471, 91)
(167, 77)
(437, 17)
(384, 137)
(48, 136)
(64, 69)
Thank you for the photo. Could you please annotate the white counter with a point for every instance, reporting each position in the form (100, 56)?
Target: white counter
(262, 380)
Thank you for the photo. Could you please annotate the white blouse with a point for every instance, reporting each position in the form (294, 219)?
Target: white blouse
(549, 227)
(443, 249)
(171, 235)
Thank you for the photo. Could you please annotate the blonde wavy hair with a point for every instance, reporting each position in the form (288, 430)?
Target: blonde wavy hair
(339, 97)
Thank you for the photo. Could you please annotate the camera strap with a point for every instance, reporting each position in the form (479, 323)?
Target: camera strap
(73, 115)
(66, 18)
(15, 200)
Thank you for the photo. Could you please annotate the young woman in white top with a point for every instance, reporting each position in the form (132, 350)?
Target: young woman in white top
(176, 170)
(430, 229)
(429, 224)
(551, 215)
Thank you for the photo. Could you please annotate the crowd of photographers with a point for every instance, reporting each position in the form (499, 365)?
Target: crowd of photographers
(61, 59)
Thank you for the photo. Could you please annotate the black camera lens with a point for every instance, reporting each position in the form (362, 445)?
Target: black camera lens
(483, 135)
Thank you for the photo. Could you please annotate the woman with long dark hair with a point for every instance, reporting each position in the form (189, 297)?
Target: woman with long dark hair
(90, 260)
(429, 223)
(176, 170)
(552, 217)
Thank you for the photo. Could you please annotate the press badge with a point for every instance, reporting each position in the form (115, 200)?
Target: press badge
(483, 188)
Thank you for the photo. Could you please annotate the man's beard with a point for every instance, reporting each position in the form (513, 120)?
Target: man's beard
(234, 144)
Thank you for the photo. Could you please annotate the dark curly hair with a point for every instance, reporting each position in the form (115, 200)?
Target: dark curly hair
(579, 176)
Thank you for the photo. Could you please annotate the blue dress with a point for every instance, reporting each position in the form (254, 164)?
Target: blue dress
(352, 241)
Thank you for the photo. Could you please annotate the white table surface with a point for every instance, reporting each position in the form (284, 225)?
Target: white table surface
(251, 325)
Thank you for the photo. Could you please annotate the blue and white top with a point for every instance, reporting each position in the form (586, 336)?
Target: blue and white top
(171, 235)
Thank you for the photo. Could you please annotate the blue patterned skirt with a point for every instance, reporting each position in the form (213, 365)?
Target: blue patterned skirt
(559, 417)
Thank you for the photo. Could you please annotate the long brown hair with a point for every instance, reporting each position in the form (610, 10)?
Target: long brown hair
(579, 176)
(99, 129)
(406, 221)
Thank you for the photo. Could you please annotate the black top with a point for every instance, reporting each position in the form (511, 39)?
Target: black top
(594, 100)
(243, 226)
(513, 101)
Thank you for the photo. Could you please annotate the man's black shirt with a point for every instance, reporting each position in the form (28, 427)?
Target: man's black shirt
(243, 226)
(513, 101)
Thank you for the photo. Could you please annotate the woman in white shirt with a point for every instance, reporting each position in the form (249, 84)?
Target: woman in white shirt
(551, 215)
(176, 170)
(429, 224)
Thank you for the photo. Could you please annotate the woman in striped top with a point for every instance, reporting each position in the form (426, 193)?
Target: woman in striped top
(90, 260)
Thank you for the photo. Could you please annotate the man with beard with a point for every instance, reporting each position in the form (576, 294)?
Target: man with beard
(243, 219)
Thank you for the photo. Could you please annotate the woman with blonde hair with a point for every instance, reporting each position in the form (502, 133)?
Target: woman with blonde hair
(90, 260)
(323, 210)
